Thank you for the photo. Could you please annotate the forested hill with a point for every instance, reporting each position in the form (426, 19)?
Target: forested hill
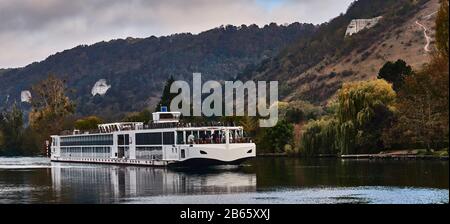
(313, 68)
(135, 69)
(311, 62)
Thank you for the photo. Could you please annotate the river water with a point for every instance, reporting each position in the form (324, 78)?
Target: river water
(262, 180)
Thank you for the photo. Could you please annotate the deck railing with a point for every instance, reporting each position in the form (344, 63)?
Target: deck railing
(161, 126)
(189, 125)
(221, 141)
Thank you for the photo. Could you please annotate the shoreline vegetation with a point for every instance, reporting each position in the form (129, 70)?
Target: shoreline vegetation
(415, 154)
(403, 113)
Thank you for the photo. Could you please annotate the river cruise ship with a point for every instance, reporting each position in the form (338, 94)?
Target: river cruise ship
(163, 142)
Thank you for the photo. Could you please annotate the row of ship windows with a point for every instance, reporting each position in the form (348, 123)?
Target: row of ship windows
(157, 138)
(167, 138)
(95, 152)
(87, 140)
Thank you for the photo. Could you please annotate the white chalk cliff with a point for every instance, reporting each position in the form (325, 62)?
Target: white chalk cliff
(357, 25)
(25, 96)
(100, 88)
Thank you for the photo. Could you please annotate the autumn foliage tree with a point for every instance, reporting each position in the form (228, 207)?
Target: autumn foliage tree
(442, 29)
(421, 111)
(423, 100)
(50, 107)
(88, 123)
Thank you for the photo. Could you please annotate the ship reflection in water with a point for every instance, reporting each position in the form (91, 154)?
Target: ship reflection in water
(260, 181)
(81, 183)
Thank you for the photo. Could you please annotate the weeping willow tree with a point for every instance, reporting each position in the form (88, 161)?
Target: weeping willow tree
(319, 137)
(363, 110)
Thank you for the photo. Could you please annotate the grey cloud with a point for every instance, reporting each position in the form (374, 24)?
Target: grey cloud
(30, 30)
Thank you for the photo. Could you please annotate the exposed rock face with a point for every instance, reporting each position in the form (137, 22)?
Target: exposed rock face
(100, 88)
(357, 25)
(25, 96)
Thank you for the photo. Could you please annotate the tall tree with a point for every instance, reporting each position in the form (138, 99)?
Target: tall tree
(395, 73)
(442, 29)
(166, 97)
(50, 107)
(439, 66)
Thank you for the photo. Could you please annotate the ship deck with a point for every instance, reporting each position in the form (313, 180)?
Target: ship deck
(157, 163)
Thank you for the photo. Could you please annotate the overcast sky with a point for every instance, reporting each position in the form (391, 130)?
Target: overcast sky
(31, 30)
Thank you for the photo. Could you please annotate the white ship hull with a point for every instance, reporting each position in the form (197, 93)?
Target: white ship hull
(207, 154)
